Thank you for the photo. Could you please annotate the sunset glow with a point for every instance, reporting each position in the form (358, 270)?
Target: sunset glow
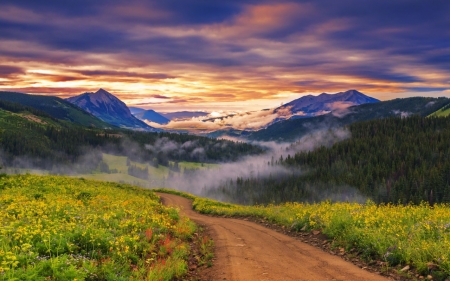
(229, 55)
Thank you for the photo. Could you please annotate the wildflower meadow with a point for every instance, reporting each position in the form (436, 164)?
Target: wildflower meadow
(59, 228)
(415, 235)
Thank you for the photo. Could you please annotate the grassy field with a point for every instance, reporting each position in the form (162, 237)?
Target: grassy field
(418, 236)
(193, 165)
(59, 228)
(443, 112)
(157, 176)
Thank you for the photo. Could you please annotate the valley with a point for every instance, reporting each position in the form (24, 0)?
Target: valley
(224, 140)
(364, 183)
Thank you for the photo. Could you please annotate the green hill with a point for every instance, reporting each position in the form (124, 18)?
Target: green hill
(442, 112)
(31, 138)
(36, 139)
(292, 129)
(56, 107)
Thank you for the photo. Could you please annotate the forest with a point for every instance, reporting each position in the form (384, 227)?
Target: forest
(398, 160)
(32, 138)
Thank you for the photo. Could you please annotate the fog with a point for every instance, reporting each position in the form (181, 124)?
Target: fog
(201, 182)
(207, 179)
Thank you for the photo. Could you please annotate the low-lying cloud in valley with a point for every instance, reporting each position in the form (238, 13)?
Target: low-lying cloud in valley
(252, 120)
(204, 182)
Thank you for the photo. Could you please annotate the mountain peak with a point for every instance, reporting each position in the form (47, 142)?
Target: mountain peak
(108, 108)
(309, 105)
(102, 91)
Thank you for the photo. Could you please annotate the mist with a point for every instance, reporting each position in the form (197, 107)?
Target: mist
(210, 182)
(252, 120)
(206, 181)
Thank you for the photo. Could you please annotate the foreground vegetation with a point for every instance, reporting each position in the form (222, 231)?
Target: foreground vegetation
(58, 228)
(415, 235)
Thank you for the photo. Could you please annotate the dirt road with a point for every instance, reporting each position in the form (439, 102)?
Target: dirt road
(248, 251)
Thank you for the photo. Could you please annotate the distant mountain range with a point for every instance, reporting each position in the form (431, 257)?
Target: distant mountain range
(135, 110)
(110, 109)
(164, 118)
(293, 129)
(308, 106)
(152, 116)
(57, 108)
(293, 120)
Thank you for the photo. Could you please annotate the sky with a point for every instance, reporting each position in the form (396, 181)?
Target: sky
(224, 55)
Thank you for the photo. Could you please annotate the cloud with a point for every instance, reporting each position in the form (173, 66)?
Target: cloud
(252, 120)
(9, 71)
(340, 108)
(202, 181)
(227, 52)
(402, 114)
(109, 73)
(160, 97)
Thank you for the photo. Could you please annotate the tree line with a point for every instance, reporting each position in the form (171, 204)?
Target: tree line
(399, 160)
(53, 143)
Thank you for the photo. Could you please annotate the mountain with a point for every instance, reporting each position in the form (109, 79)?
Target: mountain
(152, 116)
(55, 107)
(110, 109)
(308, 106)
(135, 110)
(184, 114)
(292, 129)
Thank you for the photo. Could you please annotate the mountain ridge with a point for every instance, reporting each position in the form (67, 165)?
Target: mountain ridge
(324, 103)
(55, 107)
(152, 116)
(294, 128)
(110, 109)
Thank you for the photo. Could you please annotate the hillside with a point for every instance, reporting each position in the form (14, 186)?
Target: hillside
(441, 112)
(110, 109)
(55, 107)
(292, 129)
(37, 140)
(386, 160)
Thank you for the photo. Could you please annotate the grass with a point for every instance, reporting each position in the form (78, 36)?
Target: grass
(60, 228)
(193, 165)
(122, 178)
(157, 176)
(398, 235)
(443, 112)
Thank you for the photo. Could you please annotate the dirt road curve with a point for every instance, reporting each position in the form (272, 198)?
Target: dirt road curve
(248, 251)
